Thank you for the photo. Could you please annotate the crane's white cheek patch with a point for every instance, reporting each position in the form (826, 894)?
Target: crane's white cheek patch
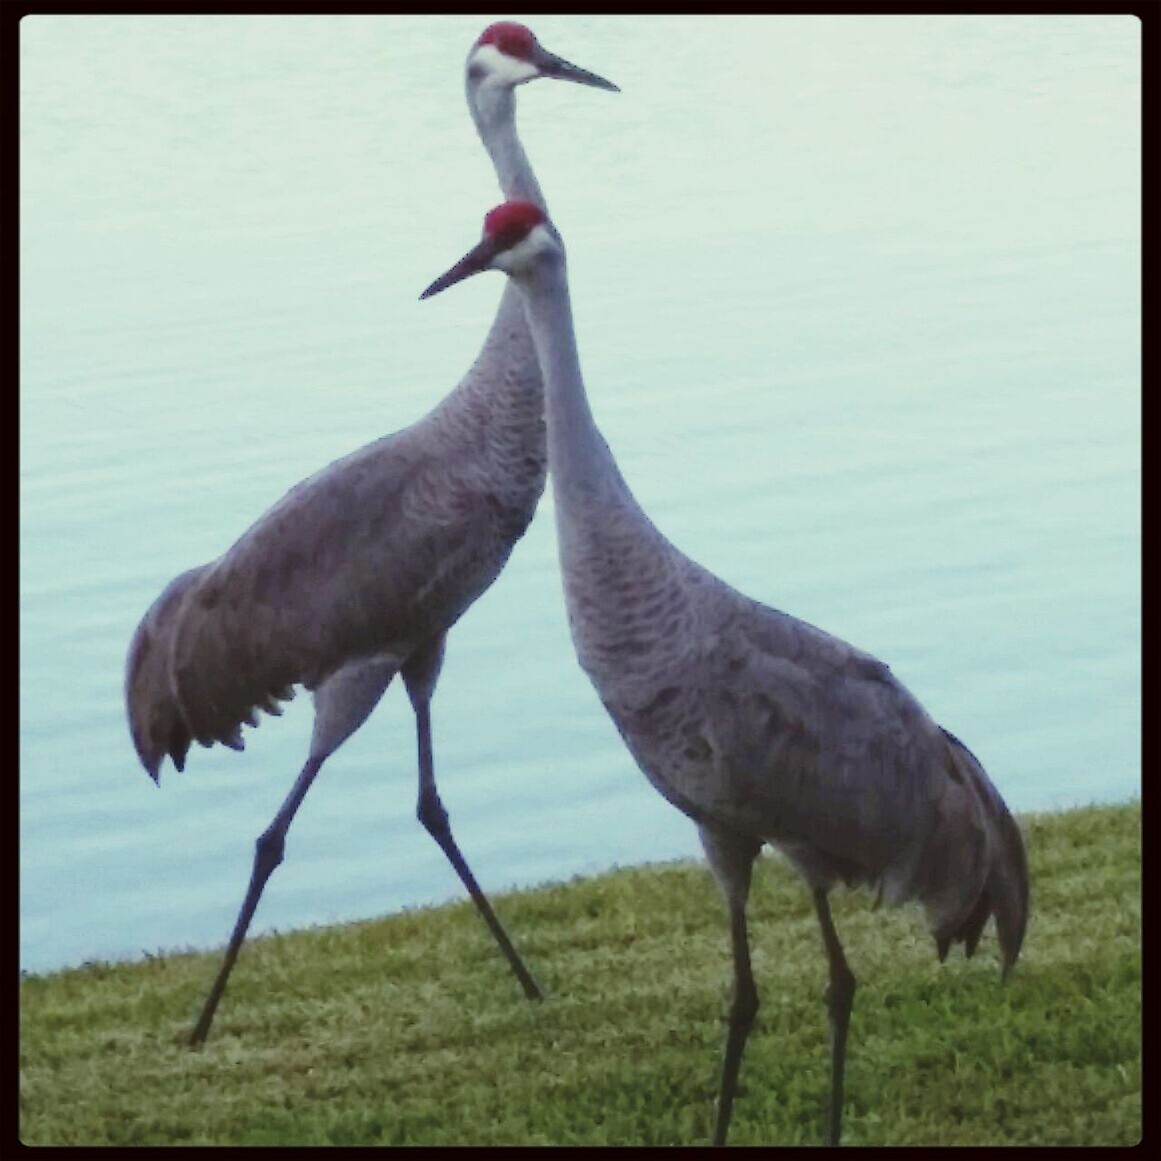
(501, 68)
(525, 253)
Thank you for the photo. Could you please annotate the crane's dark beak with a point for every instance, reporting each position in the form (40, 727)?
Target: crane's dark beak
(551, 65)
(475, 261)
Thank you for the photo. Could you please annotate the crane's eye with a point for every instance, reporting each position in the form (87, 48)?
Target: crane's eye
(476, 71)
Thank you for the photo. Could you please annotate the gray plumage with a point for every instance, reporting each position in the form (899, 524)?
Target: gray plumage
(760, 727)
(362, 563)
(358, 572)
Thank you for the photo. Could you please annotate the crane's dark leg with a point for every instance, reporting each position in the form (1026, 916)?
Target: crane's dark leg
(742, 1013)
(731, 857)
(267, 855)
(419, 675)
(840, 995)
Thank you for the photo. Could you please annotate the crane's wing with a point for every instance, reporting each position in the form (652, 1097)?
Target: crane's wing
(155, 719)
(818, 736)
(1006, 889)
(847, 768)
(367, 557)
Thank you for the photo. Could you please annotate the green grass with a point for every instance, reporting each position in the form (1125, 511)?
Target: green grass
(410, 1029)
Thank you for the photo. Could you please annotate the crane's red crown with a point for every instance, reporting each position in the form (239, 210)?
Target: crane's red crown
(510, 38)
(508, 225)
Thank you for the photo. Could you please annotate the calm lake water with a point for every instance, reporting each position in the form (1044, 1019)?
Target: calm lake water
(858, 304)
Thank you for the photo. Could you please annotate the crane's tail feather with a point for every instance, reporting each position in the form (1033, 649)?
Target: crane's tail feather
(160, 722)
(156, 723)
(1005, 888)
(179, 744)
(1010, 891)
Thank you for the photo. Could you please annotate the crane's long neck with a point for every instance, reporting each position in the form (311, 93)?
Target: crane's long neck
(617, 568)
(582, 466)
(501, 394)
(494, 113)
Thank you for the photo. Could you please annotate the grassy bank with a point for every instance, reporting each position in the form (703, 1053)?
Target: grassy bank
(411, 1030)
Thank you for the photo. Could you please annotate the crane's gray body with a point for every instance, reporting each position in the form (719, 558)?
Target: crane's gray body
(755, 724)
(362, 564)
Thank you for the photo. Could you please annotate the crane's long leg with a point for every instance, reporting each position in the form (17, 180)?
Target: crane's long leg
(840, 995)
(434, 817)
(742, 1013)
(268, 852)
(731, 858)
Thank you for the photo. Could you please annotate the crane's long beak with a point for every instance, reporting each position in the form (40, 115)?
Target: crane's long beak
(475, 261)
(551, 65)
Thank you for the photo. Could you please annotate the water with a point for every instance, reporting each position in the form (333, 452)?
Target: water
(858, 304)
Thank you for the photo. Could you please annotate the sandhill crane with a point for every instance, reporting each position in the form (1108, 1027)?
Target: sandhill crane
(760, 727)
(358, 572)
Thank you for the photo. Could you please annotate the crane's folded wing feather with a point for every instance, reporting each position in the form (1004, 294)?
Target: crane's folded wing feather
(367, 557)
(858, 782)
(155, 720)
(348, 564)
